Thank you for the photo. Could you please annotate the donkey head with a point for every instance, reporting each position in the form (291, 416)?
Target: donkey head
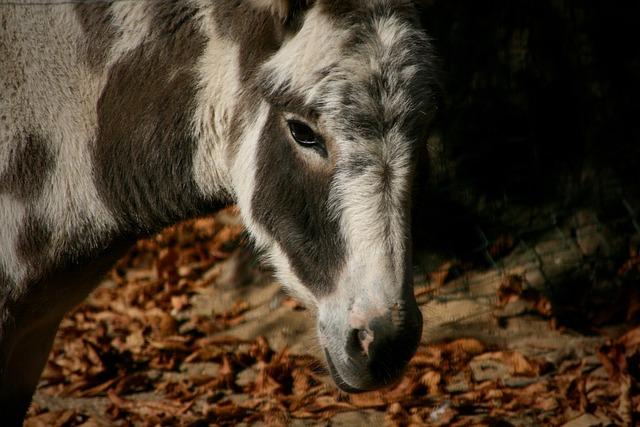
(331, 120)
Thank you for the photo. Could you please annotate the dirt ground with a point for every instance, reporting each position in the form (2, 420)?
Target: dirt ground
(189, 329)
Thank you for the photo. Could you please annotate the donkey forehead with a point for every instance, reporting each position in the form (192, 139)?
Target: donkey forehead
(363, 71)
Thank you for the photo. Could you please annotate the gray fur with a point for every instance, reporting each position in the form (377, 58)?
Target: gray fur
(144, 148)
(29, 163)
(95, 19)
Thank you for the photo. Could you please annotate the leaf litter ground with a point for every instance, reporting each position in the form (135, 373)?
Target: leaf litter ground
(188, 330)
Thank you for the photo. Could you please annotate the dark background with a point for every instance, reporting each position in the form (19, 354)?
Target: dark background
(538, 119)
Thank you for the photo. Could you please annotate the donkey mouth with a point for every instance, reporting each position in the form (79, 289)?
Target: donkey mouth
(342, 384)
(337, 378)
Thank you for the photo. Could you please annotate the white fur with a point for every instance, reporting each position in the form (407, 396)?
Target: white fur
(373, 217)
(315, 47)
(219, 89)
(12, 213)
(132, 20)
(65, 115)
(287, 277)
(69, 198)
(279, 8)
(243, 174)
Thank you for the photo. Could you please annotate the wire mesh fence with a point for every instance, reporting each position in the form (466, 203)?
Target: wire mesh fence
(581, 253)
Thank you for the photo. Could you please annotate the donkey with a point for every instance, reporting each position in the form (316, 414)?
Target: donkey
(118, 118)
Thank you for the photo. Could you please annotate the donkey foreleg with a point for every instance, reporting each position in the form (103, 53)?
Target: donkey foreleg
(24, 352)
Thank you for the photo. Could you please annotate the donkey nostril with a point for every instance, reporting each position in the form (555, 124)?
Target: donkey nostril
(359, 342)
(353, 343)
(365, 337)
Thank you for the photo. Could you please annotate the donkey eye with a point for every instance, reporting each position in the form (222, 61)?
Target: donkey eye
(302, 133)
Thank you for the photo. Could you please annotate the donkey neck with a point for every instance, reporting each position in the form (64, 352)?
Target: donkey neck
(160, 153)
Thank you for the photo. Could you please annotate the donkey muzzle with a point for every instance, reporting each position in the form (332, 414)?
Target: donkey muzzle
(375, 354)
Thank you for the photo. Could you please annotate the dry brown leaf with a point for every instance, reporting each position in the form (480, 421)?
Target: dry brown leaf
(431, 356)
(260, 350)
(50, 419)
(293, 304)
(547, 403)
(265, 384)
(372, 399)
(166, 264)
(226, 411)
(226, 374)
(512, 289)
(440, 275)
(631, 340)
(518, 364)
(625, 405)
(91, 423)
(302, 414)
(175, 343)
(464, 347)
(396, 415)
(135, 341)
(100, 388)
(178, 302)
(494, 393)
(431, 380)
(502, 245)
(328, 403)
(612, 357)
(302, 381)
(204, 354)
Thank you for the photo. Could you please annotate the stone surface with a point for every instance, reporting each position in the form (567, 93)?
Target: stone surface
(586, 420)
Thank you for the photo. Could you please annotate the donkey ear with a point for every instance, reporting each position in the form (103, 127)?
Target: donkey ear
(283, 10)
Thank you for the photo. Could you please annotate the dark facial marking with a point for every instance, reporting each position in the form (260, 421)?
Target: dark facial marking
(357, 12)
(6, 285)
(362, 20)
(290, 201)
(30, 163)
(297, 10)
(233, 18)
(339, 10)
(357, 166)
(33, 242)
(144, 149)
(257, 32)
(95, 19)
(285, 100)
